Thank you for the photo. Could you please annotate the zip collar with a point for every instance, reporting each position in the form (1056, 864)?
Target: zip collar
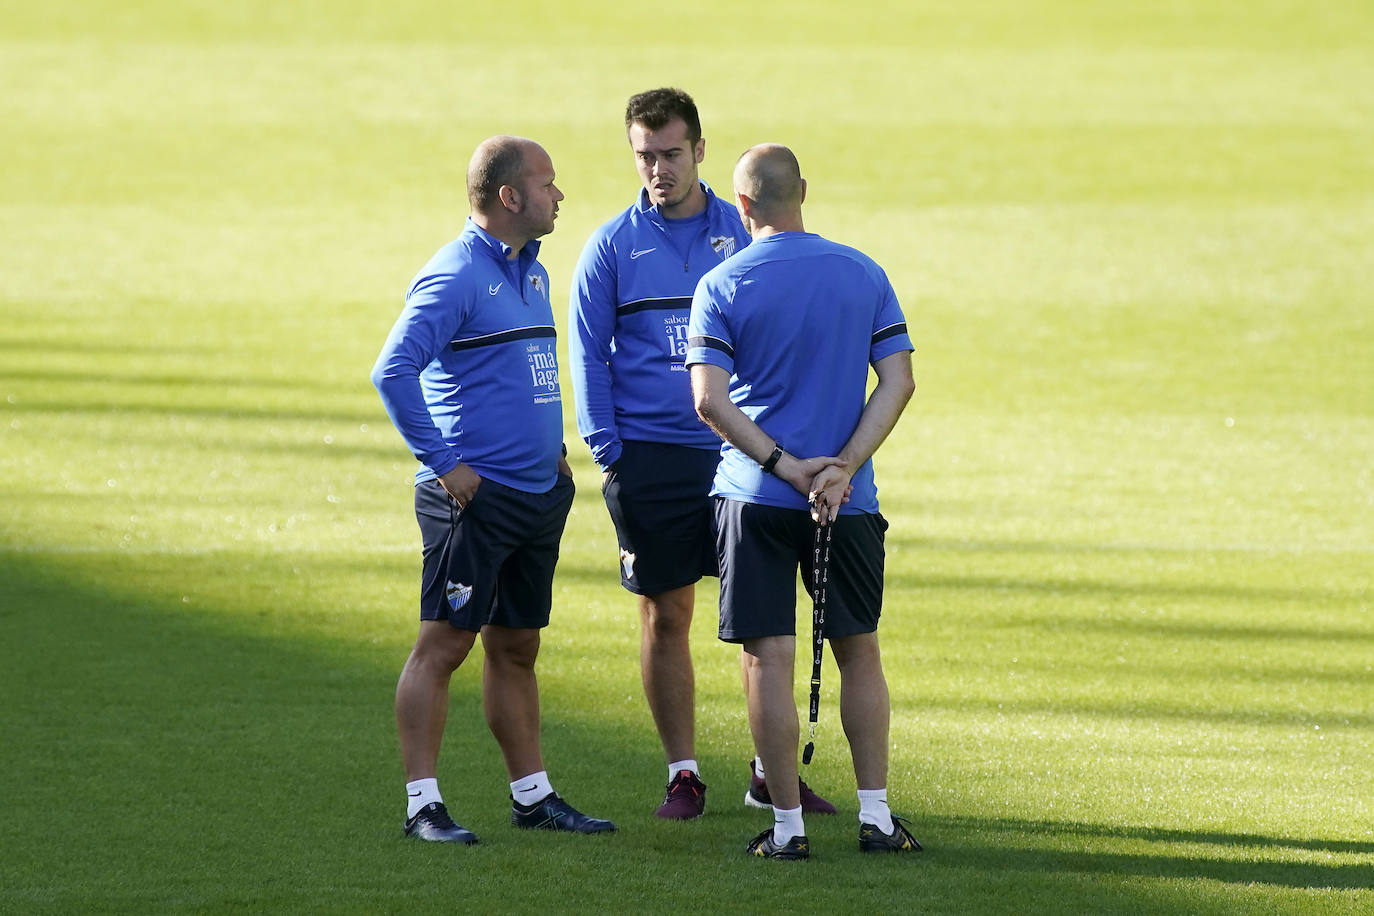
(499, 248)
(500, 252)
(655, 212)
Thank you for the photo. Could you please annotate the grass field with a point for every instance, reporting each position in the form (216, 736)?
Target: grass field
(1130, 617)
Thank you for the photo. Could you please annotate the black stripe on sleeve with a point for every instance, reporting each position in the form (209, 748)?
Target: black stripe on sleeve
(715, 343)
(668, 303)
(891, 330)
(487, 340)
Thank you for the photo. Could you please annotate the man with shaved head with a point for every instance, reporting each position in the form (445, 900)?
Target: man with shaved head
(779, 346)
(469, 375)
(769, 176)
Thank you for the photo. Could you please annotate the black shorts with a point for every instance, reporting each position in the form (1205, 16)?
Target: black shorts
(761, 548)
(658, 497)
(491, 561)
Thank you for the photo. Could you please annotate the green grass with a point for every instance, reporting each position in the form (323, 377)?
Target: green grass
(1128, 625)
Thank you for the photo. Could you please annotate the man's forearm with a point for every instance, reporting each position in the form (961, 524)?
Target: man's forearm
(592, 327)
(884, 408)
(710, 390)
(735, 427)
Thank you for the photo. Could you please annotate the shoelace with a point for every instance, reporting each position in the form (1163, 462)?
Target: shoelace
(683, 780)
(439, 817)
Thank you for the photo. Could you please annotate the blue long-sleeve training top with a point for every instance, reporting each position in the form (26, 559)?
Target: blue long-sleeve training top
(469, 373)
(628, 311)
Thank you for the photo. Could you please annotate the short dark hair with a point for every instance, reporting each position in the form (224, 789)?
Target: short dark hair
(498, 161)
(655, 108)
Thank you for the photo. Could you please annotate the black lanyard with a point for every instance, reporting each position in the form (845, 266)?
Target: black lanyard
(820, 577)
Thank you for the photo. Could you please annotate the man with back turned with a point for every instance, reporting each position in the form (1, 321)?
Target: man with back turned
(780, 344)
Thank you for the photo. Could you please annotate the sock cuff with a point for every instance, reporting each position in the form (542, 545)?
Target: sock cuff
(787, 823)
(532, 788)
(421, 792)
(873, 809)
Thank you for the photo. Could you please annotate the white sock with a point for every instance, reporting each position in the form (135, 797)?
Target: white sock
(787, 823)
(873, 809)
(677, 766)
(532, 788)
(758, 767)
(421, 792)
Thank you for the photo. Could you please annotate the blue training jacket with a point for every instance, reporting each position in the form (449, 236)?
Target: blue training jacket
(628, 311)
(470, 372)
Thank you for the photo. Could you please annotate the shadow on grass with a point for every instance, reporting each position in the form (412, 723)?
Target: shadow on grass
(202, 724)
(1148, 710)
(313, 415)
(1064, 548)
(220, 735)
(1162, 835)
(1009, 844)
(66, 344)
(915, 579)
(172, 380)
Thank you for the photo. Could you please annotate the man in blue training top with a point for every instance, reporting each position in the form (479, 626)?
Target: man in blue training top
(470, 378)
(780, 343)
(630, 301)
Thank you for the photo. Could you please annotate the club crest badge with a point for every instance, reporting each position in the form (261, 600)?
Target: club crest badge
(458, 594)
(723, 245)
(627, 563)
(538, 283)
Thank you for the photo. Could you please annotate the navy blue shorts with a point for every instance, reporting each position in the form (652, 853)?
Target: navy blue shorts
(762, 547)
(659, 499)
(491, 561)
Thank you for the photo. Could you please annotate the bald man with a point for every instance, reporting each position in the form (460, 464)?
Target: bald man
(469, 375)
(780, 342)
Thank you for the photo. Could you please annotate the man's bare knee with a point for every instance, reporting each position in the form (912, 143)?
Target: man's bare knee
(668, 614)
(510, 648)
(770, 651)
(860, 649)
(440, 648)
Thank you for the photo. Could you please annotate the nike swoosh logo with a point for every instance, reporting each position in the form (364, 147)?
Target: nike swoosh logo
(635, 254)
(525, 788)
(413, 794)
(493, 289)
